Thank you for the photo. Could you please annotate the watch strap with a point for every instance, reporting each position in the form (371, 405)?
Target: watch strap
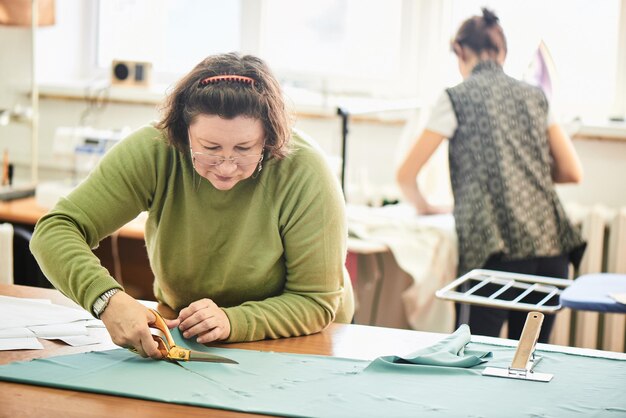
(103, 300)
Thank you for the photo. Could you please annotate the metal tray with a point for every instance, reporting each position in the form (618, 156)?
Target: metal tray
(498, 289)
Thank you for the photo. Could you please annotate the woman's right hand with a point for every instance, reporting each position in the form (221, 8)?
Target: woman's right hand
(128, 324)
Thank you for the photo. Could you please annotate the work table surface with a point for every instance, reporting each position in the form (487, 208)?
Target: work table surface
(19, 400)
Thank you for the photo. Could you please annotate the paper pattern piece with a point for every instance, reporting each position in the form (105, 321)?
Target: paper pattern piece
(25, 343)
(59, 330)
(93, 336)
(318, 386)
(24, 320)
(19, 312)
(16, 333)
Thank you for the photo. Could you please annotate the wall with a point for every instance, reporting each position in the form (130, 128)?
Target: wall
(604, 180)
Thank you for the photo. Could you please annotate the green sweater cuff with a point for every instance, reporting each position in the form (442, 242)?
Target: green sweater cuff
(238, 325)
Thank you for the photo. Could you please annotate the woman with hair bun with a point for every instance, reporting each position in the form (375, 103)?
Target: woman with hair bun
(506, 152)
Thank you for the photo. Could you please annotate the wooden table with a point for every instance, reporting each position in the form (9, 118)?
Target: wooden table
(26, 211)
(21, 400)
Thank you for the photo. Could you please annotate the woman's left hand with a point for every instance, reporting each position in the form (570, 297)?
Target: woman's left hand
(204, 319)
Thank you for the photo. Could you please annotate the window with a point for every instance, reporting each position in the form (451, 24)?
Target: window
(337, 45)
(324, 45)
(174, 35)
(384, 48)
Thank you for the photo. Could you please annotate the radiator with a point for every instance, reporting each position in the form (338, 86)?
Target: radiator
(604, 230)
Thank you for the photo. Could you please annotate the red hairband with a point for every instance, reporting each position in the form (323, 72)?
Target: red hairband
(235, 78)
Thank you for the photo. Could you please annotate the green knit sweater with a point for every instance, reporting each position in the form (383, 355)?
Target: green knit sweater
(270, 251)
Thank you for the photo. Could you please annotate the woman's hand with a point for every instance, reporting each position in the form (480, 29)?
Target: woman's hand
(128, 324)
(204, 319)
(566, 166)
(428, 209)
(414, 161)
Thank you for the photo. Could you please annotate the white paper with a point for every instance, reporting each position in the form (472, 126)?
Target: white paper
(20, 312)
(20, 344)
(59, 330)
(21, 318)
(95, 336)
(16, 333)
(93, 323)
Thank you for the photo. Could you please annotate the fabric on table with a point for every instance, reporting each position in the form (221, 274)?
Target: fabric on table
(450, 352)
(591, 292)
(318, 386)
(425, 248)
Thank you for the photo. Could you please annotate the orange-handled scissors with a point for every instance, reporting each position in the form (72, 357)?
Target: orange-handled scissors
(175, 353)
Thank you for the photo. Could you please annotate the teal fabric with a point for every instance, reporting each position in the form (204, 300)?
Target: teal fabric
(319, 386)
(451, 352)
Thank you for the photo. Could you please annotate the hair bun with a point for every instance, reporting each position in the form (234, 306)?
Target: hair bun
(489, 17)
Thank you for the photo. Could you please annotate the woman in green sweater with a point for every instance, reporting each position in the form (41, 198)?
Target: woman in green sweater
(246, 229)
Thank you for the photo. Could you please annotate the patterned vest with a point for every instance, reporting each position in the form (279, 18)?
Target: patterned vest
(500, 169)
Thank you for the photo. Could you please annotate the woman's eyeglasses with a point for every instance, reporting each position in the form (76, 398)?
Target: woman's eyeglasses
(208, 160)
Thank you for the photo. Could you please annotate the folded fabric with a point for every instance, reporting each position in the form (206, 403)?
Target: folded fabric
(449, 352)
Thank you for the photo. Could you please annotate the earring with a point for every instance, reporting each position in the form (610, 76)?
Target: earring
(259, 168)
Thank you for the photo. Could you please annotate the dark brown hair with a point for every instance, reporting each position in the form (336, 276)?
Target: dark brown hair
(228, 99)
(481, 33)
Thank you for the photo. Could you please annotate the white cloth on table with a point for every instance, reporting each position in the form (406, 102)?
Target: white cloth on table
(425, 248)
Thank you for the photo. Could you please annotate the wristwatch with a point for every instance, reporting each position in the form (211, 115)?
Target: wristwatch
(103, 300)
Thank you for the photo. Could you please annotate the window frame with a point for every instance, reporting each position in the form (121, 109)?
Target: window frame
(619, 101)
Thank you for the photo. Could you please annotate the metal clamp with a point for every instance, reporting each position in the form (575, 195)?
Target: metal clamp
(524, 359)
